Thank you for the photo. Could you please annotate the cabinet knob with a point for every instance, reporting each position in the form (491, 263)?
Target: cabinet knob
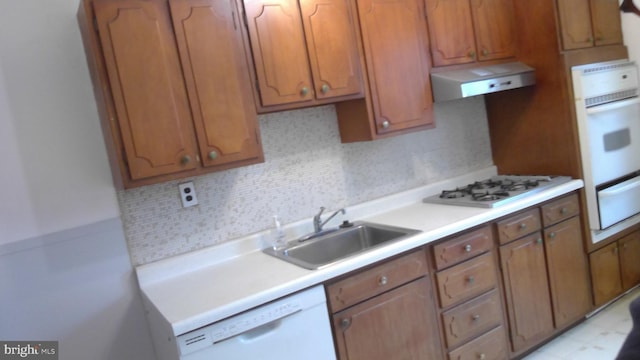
(522, 226)
(482, 356)
(470, 279)
(324, 88)
(615, 250)
(185, 160)
(344, 323)
(563, 210)
(552, 235)
(539, 241)
(589, 40)
(485, 52)
(385, 124)
(304, 91)
(471, 54)
(383, 280)
(467, 248)
(212, 155)
(475, 317)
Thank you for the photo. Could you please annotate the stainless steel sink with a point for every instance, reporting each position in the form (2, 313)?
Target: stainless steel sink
(325, 250)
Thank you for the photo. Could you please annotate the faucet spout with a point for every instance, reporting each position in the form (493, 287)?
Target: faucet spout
(318, 223)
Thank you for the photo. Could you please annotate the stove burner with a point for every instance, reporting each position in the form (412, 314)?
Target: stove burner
(496, 191)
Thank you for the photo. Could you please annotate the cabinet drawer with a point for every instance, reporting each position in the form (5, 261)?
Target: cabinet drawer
(466, 280)
(374, 281)
(462, 247)
(560, 209)
(519, 225)
(472, 318)
(490, 346)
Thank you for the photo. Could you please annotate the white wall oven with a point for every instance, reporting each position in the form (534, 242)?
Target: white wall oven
(608, 115)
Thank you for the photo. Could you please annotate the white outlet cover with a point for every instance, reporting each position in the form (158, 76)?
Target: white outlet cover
(188, 194)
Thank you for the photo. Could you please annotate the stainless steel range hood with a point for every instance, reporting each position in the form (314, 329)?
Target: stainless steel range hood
(458, 84)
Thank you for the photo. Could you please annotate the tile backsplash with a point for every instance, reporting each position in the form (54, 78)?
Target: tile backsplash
(306, 166)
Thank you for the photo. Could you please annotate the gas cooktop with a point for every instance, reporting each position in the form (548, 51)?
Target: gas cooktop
(496, 191)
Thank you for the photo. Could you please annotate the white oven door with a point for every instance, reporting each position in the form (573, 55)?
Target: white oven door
(614, 139)
(619, 202)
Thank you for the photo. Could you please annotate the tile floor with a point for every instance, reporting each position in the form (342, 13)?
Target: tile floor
(597, 338)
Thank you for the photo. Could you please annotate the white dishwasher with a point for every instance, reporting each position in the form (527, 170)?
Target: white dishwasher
(294, 327)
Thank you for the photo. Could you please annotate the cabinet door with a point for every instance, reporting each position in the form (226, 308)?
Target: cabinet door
(493, 22)
(575, 24)
(332, 48)
(526, 291)
(605, 274)
(607, 28)
(400, 324)
(568, 272)
(395, 44)
(217, 76)
(630, 260)
(147, 86)
(450, 31)
(279, 51)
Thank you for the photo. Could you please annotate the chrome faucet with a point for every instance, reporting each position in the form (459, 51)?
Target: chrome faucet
(317, 220)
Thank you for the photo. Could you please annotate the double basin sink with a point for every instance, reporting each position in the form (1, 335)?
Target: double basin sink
(340, 244)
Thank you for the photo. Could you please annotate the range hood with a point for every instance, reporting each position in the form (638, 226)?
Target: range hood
(458, 84)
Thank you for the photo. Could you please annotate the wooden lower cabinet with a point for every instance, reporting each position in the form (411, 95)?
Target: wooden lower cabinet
(615, 268)
(526, 289)
(399, 324)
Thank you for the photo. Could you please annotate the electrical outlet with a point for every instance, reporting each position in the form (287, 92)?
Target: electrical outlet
(188, 194)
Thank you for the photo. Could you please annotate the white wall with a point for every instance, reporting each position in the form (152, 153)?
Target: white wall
(631, 32)
(55, 173)
(65, 271)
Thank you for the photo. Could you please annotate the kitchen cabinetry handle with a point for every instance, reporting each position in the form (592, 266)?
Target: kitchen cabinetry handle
(385, 124)
(552, 235)
(539, 241)
(324, 88)
(383, 280)
(344, 323)
(467, 248)
(212, 155)
(304, 91)
(482, 356)
(472, 54)
(470, 279)
(475, 317)
(615, 250)
(485, 52)
(185, 160)
(522, 226)
(563, 211)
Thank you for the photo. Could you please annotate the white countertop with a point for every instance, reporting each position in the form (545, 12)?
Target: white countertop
(196, 289)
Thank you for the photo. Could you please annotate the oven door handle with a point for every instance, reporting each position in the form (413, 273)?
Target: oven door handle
(613, 105)
(620, 188)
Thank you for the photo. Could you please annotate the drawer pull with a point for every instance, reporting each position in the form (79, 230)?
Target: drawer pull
(467, 248)
(382, 281)
(344, 323)
(470, 279)
(522, 226)
(482, 356)
(552, 235)
(475, 317)
(539, 241)
(563, 210)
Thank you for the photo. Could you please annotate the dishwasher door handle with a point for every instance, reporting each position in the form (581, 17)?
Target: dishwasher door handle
(259, 330)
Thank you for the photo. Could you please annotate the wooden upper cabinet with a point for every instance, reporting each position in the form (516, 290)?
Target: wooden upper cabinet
(332, 48)
(303, 54)
(216, 72)
(172, 85)
(585, 23)
(394, 36)
(607, 28)
(494, 23)
(279, 51)
(464, 31)
(151, 105)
